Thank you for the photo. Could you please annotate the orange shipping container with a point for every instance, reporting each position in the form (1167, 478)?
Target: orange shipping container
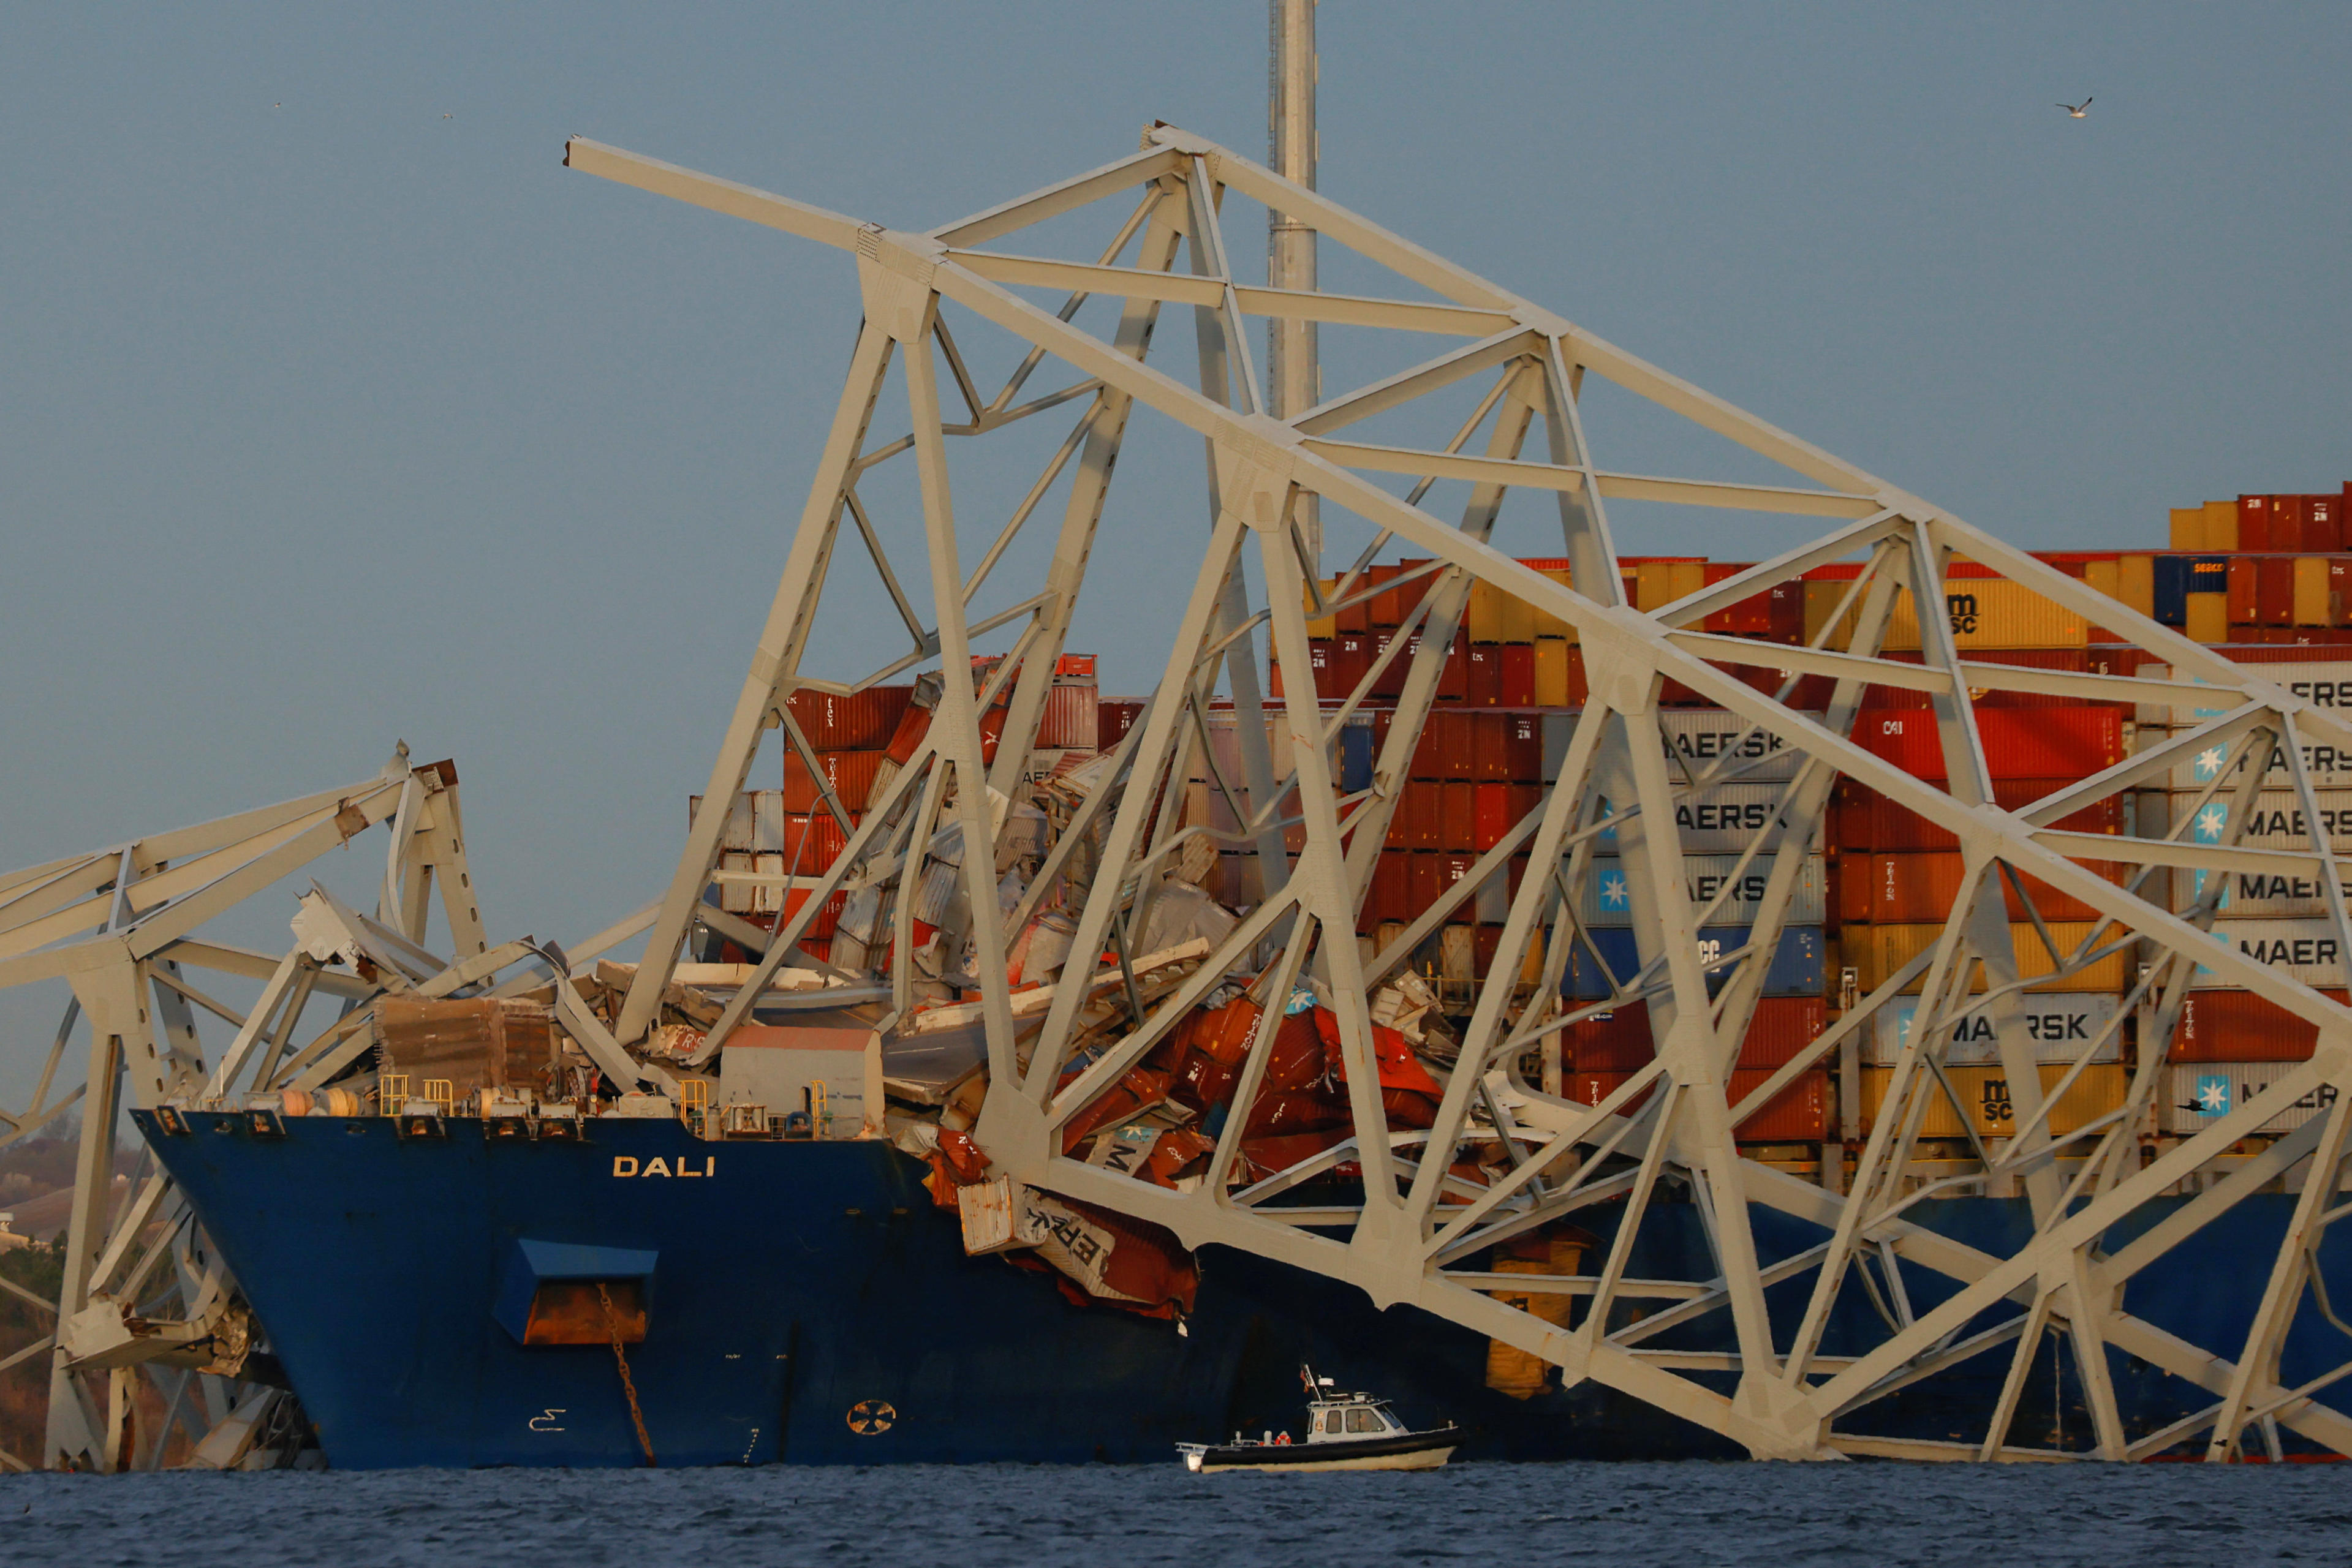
(1797, 1114)
(1910, 888)
(2239, 1026)
(849, 774)
(1875, 952)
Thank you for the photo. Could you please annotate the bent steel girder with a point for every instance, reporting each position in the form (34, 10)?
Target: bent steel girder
(124, 929)
(1507, 1155)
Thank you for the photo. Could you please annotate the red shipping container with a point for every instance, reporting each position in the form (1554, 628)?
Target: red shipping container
(1580, 690)
(2019, 743)
(1351, 655)
(1384, 611)
(2275, 593)
(1070, 721)
(859, 720)
(1489, 763)
(1413, 825)
(850, 775)
(1452, 867)
(1517, 662)
(2323, 523)
(1457, 815)
(1921, 886)
(1428, 883)
(1484, 943)
(812, 842)
(1524, 800)
(1620, 1041)
(1318, 658)
(2243, 593)
(2114, 658)
(826, 917)
(1114, 719)
(1486, 675)
(2287, 513)
(2074, 661)
(1522, 748)
(1863, 819)
(1453, 679)
(1491, 816)
(2254, 523)
(1389, 896)
(1797, 1114)
(2250, 653)
(2239, 1026)
(1357, 619)
(1390, 681)
(1448, 748)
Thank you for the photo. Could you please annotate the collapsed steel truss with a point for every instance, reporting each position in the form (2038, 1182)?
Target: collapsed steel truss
(1417, 1228)
(145, 1295)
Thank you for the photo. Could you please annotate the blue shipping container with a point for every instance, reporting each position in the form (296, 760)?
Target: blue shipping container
(1355, 766)
(1796, 971)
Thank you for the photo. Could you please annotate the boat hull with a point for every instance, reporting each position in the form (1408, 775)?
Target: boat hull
(1403, 1451)
(808, 1303)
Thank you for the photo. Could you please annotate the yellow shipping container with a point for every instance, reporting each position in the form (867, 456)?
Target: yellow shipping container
(2220, 526)
(1992, 613)
(1985, 1100)
(2189, 527)
(1874, 952)
(1552, 672)
(1543, 624)
(1484, 621)
(1322, 625)
(1518, 619)
(2314, 604)
(2101, 576)
(2209, 618)
(1821, 601)
(2136, 582)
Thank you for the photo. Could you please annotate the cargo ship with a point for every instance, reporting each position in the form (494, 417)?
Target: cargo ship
(807, 1302)
(797, 1280)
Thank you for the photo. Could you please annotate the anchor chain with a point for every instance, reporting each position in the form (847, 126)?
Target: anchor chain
(628, 1385)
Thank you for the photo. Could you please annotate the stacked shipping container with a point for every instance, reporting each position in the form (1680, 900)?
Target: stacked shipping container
(2255, 575)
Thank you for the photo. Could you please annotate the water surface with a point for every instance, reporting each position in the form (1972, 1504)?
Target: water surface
(1496, 1515)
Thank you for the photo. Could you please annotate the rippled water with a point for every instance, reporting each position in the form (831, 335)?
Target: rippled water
(973, 1517)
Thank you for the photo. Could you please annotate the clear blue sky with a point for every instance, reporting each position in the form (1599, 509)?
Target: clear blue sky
(337, 412)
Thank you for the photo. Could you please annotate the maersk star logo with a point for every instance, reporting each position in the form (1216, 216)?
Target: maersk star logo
(1613, 891)
(2211, 821)
(2208, 762)
(2213, 1093)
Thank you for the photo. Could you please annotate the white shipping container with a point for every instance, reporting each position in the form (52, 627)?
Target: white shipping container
(2326, 684)
(1721, 821)
(1700, 738)
(2276, 822)
(2304, 950)
(1606, 900)
(2329, 765)
(2061, 1026)
(2196, 1094)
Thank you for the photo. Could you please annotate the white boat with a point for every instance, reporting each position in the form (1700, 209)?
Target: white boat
(1344, 1432)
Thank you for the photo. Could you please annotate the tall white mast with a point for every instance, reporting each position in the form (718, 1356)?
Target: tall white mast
(1294, 378)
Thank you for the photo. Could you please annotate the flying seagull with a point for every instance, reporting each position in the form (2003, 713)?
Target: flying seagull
(2076, 109)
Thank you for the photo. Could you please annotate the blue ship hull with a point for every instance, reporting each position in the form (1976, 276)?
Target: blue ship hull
(799, 1287)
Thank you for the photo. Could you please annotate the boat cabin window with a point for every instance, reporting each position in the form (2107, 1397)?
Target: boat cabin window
(1362, 1420)
(1334, 1421)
